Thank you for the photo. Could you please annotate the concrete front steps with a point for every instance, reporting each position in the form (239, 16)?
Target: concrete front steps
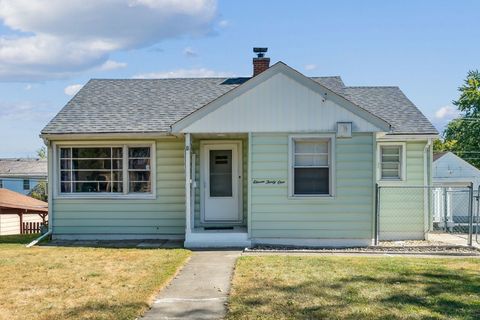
(217, 239)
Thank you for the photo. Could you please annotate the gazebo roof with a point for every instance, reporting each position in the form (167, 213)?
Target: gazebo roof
(14, 200)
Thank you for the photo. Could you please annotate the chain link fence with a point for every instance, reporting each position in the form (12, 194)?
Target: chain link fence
(438, 213)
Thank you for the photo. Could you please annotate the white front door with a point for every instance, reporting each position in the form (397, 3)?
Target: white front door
(221, 182)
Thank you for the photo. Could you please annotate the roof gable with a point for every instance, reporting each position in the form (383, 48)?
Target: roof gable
(279, 99)
(450, 158)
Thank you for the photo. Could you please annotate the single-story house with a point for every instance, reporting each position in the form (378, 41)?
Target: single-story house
(453, 175)
(275, 158)
(20, 214)
(22, 174)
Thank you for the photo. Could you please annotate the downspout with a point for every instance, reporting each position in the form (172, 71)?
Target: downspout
(49, 194)
(43, 236)
(426, 187)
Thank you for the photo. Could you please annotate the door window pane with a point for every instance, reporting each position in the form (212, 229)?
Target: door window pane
(221, 173)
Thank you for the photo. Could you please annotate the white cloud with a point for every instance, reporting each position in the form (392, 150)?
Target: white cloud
(224, 23)
(71, 90)
(447, 113)
(112, 65)
(184, 73)
(310, 67)
(189, 52)
(57, 38)
(28, 87)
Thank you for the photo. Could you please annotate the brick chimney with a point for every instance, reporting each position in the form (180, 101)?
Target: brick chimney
(260, 63)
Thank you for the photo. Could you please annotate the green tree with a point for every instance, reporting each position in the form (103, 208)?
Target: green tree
(442, 146)
(463, 133)
(39, 191)
(42, 153)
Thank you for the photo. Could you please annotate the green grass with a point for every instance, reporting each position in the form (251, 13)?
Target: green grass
(81, 283)
(19, 238)
(293, 287)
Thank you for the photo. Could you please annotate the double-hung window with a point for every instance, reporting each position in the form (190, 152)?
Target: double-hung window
(311, 172)
(391, 161)
(113, 170)
(26, 184)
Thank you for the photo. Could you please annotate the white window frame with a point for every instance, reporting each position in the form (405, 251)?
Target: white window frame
(403, 161)
(107, 195)
(331, 164)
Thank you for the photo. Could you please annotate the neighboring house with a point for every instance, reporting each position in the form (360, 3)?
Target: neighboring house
(454, 175)
(20, 213)
(277, 158)
(22, 174)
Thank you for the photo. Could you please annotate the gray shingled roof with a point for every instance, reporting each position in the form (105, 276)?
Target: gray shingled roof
(23, 167)
(153, 105)
(391, 104)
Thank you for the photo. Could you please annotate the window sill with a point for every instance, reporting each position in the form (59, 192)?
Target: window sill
(391, 180)
(311, 197)
(149, 196)
(386, 182)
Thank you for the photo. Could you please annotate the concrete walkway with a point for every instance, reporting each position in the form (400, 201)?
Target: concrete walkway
(200, 290)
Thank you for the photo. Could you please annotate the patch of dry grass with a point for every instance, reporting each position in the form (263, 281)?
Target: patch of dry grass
(82, 283)
(292, 287)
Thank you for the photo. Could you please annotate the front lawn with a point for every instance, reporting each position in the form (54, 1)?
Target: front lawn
(308, 287)
(81, 283)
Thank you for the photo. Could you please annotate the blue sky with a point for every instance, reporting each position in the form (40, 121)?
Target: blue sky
(47, 52)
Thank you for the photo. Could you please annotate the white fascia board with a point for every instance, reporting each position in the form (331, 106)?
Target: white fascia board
(105, 136)
(383, 136)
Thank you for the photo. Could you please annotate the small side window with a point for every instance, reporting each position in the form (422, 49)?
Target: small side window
(26, 184)
(391, 162)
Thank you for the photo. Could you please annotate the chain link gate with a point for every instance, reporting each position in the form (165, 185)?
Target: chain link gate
(477, 216)
(449, 215)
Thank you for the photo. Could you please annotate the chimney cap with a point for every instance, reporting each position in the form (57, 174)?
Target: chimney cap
(260, 51)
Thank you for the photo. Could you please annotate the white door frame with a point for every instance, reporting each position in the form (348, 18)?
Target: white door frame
(203, 159)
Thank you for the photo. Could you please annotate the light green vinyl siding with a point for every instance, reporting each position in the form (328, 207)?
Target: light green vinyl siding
(402, 213)
(164, 215)
(346, 216)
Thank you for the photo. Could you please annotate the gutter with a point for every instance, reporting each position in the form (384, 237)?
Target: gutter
(43, 236)
(426, 191)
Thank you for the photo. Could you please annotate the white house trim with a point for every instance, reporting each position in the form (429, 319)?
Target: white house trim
(183, 124)
(106, 136)
(331, 162)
